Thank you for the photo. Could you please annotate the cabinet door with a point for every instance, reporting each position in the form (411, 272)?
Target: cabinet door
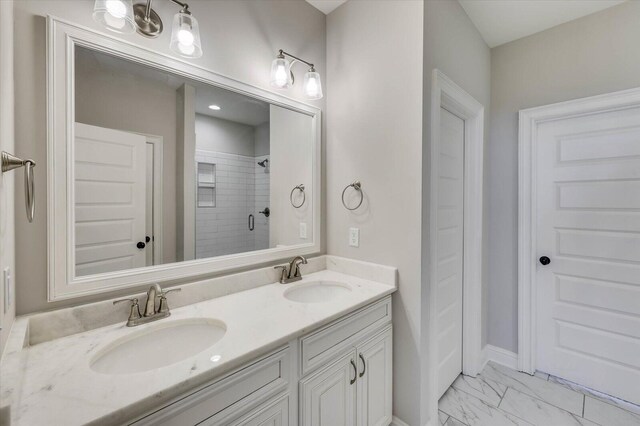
(374, 407)
(328, 397)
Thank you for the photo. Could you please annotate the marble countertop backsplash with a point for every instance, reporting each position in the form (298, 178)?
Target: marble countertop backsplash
(45, 374)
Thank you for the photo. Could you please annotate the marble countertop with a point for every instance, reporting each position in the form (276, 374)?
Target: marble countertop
(52, 382)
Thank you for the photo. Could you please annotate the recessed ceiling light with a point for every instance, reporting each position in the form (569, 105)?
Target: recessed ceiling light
(215, 107)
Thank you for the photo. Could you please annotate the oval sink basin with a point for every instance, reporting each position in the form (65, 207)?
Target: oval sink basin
(158, 346)
(317, 292)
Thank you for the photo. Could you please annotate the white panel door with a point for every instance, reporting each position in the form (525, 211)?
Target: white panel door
(450, 249)
(328, 398)
(588, 225)
(110, 199)
(375, 380)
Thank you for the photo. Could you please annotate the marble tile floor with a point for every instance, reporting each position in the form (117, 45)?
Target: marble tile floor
(500, 396)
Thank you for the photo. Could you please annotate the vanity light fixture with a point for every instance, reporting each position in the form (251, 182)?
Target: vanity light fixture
(115, 15)
(282, 76)
(122, 17)
(215, 107)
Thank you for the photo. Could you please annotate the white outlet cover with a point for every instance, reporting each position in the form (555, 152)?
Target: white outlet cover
(354, 237)
(303, 230)
(6, 280)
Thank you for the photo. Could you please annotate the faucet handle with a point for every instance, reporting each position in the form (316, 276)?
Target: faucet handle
(134, 314)
(164, 306)
(283, 273)
(163, 293)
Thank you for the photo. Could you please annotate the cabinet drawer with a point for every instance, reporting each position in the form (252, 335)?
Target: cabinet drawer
(320, 347)
(239, 391)
(274, 413)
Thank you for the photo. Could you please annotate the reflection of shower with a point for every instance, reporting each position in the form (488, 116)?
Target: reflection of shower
(264, 163)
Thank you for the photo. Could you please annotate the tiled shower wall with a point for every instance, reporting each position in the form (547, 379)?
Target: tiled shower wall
(242, 188)
(261, 181)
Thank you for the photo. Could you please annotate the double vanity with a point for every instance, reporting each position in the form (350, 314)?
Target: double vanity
(163, 172)
(316, 351)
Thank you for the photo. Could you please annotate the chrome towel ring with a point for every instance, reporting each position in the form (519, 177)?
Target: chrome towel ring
(358, 187)
(304, 196)
(10, 162)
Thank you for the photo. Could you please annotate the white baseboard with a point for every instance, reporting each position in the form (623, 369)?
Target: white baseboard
(397, 422)
(499, 356)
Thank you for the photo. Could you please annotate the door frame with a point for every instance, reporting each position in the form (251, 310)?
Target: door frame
(529, 120)
(447, 94)
(158, 194)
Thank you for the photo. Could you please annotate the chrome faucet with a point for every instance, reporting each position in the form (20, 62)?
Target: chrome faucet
(292, 273)
(156, 307)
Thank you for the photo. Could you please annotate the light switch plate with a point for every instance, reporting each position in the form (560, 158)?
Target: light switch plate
(6, 282)
(354, 237)
(303, 230)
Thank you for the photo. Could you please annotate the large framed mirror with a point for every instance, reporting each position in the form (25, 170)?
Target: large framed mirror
(161, 170)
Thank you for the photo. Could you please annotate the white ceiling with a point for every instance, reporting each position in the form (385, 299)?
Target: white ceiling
(502, 21)
(326, 6)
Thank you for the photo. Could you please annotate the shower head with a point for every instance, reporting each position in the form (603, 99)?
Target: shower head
(263, 163)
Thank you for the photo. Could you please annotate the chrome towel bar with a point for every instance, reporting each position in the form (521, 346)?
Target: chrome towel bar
(10, 162)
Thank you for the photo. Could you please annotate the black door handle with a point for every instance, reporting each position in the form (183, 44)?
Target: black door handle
(266, 212)
(140, 245)
(147, 239)
(545, 260)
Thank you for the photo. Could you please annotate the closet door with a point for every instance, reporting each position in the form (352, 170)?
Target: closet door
(587, 265)
(450, 248)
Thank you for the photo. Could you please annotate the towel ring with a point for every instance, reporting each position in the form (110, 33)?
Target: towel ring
(304, 196)
(358, 187)
(10, 162)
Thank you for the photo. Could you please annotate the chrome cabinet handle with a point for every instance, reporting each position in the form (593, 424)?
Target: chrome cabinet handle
(355, 372)
(364, 365)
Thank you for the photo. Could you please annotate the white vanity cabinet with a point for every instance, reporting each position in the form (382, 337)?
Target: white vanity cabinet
(354, 390)
(347, 370)
(250, 387)
(328, 397)
(374, 390)
(338, 375)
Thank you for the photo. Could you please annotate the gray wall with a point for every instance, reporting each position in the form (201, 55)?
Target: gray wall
(374, 111)
(290, 164)
(589, 56)
(7, 203)
(215, 134)
(261, 139)
(240, 39)
(453, 45)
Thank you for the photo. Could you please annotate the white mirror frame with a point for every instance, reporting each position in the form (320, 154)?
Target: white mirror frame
(62, 282)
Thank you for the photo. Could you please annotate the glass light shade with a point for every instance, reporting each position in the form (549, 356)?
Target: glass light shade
(115, 15)
(312, 85)
(185, 36)
(281, 73)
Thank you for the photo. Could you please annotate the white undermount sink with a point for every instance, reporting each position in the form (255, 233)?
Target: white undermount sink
(158, 346)
(316, 291)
